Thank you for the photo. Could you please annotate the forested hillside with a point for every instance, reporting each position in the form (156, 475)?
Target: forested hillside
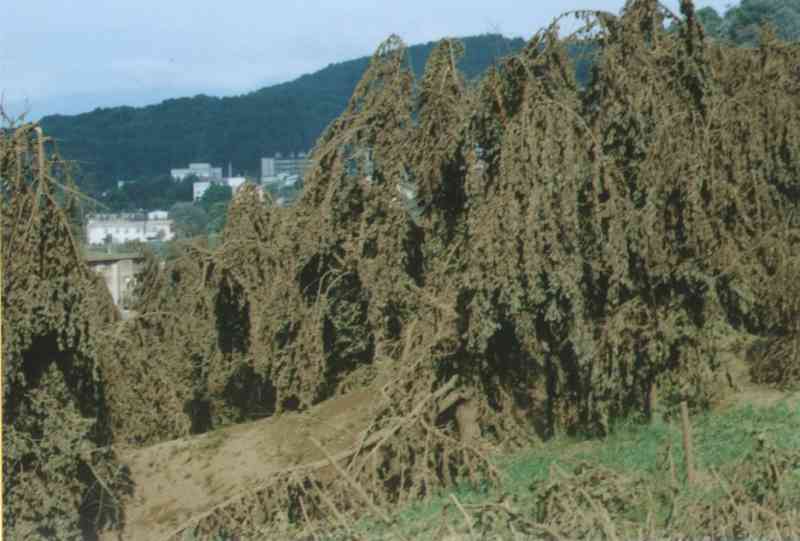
(123, 143)
(740, 23)
(127, 143)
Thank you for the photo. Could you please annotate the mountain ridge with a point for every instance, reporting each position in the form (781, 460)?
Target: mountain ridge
(124, 142)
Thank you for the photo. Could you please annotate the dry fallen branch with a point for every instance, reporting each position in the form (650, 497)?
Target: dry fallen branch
(688, 451)
(355, 486)
(467, 517)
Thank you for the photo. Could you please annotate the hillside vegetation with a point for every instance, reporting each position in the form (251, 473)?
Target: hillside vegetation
(143, 144)
(132, 143)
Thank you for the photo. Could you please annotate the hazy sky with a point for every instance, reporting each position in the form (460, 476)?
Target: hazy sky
(70, 56)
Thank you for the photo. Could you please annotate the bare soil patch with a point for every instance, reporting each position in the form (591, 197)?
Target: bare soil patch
(181, 480)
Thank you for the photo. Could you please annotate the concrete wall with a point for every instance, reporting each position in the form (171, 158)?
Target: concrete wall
(118, 272)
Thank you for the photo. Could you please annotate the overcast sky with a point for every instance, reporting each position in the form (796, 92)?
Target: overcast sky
(70, 56)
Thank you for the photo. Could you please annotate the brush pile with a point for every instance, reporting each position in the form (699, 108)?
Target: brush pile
(757, 496)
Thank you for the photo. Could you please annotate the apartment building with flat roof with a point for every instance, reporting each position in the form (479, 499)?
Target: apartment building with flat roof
(294, 164)
(203, 171)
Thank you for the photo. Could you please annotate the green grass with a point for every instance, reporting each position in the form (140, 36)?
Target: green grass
(720, 439)
(725, 438)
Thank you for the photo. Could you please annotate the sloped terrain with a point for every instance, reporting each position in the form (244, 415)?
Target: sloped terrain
(178, 483)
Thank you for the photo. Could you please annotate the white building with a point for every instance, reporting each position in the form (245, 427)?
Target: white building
(119, 273)
(199, 188)
(282, 180)
(291, 165)
(200, 170)
(120, 228)
(234, 182)
(267, 167)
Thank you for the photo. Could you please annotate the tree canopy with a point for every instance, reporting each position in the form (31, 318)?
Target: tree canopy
(150, 193)
(740, 23)
(215, 202)
(190, 220)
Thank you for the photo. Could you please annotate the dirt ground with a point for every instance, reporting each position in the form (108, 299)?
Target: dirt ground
(177, 483)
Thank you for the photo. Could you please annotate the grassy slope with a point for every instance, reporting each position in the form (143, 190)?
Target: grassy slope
(721, 439)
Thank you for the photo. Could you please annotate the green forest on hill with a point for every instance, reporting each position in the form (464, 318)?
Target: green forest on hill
(123, 143)
(143, 144)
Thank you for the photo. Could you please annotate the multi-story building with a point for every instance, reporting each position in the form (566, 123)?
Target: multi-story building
(199, 188)
(203, 171)
(120, 228)
(294, 164)
(234, 182)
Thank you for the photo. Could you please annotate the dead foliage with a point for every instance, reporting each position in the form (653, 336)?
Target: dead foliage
(755, 497)
(59, 479)
(559, 252)
(412, 446)
(774, 358)
(775, 361)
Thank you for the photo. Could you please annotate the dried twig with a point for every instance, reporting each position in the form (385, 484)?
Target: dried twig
(687, 443)
(466, 515)
(356, 486)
